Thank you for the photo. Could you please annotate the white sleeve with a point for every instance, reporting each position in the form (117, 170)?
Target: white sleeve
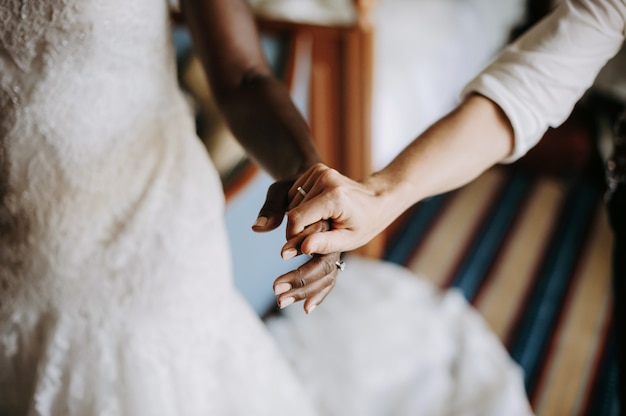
(538, 79)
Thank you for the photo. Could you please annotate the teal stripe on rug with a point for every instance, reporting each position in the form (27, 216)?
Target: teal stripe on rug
(554, 277)
(485, 245)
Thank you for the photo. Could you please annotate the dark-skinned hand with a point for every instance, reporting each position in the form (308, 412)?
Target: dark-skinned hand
(313, 280)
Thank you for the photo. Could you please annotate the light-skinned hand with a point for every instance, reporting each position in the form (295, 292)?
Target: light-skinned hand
(356, 211)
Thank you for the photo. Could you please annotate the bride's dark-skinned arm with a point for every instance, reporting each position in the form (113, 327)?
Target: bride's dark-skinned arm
(261, 115)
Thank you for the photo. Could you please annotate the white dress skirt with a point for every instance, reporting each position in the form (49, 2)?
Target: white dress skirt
(386, 342)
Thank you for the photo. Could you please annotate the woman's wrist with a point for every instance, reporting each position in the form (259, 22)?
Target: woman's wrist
(394, 196)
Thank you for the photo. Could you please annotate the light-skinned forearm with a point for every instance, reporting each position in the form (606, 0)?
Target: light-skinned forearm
(451, 153)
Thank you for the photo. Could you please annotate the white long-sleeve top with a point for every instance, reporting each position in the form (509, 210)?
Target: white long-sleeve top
(538, 79)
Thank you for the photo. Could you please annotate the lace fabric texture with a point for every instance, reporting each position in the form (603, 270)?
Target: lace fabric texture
(115, 287)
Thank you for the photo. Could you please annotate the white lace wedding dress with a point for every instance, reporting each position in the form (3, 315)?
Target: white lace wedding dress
(115, 285)
(115, 282)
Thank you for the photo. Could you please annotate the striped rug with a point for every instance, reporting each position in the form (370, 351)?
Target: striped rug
(532, 254)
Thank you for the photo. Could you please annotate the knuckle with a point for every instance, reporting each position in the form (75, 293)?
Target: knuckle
(294, 217)
(319, 167)
(273, 186)
(301, 277)
(330, 279)
(320, 226)
(273, 189)
(328, 266)
(327, 175)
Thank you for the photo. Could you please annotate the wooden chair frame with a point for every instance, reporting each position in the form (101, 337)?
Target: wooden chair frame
(337, 63)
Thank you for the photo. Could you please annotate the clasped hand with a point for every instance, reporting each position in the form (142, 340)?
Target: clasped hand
(356, 211)
(327, 214)
(313, 280)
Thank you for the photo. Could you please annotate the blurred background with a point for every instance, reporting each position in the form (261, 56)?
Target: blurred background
(527, 244)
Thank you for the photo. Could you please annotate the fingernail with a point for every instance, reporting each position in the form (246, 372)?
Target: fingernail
(311, 309)
(289, 253)
(260, 222)
(286, 302)
(281, 288)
